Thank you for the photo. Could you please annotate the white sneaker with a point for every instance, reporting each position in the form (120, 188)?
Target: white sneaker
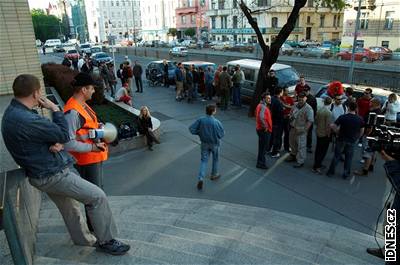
(276, 155)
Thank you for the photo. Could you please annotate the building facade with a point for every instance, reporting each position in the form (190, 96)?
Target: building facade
(158, 16)
(18, 52)
(379, 26)
(192, 14)
(118, 18)
(79, 21)
(228, 23)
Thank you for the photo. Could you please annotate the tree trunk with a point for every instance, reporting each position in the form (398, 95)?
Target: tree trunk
(270, 54)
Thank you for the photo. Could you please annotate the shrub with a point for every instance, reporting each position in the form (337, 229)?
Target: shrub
(397, 50)
(60, 77)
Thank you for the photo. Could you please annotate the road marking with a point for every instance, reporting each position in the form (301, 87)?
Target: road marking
(231, 180)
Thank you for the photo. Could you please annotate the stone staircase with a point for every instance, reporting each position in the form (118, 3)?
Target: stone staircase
(166, 230)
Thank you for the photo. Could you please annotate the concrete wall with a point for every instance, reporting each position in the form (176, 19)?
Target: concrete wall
(18, 53)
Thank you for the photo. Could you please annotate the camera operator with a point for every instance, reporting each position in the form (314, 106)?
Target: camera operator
(392, 167)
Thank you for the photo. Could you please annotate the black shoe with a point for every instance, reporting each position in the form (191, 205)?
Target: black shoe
(377, 252)
(261, 167)
(200, 185)
(150, 148)
(329, 174)
(290, 158)
(137, 91)
(298, 165)
(215, 177)
(113, 247)
(361, 172)
(371, 168)
(344, 177)
(309, 150)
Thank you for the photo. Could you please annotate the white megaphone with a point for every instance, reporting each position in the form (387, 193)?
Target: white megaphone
(108, 133)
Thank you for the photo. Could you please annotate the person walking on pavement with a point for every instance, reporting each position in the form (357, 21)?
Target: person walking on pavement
(89, 153)
(137, 73)
(323, 120)
(301, 118)
(312, 101)
(225, 84)
(264, 129)
(48, 166)
(165, 73)
(179, 82)
(349, 128)
(112, 79)
(210, 131)
(237, 83)
(277, 109)
(288, 103)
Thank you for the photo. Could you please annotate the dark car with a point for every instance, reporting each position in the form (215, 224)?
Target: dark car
(100, 57)
(157, 67)
(295, 44)
(384, 53)
(313, 52)
(240, 47)
(58, 48)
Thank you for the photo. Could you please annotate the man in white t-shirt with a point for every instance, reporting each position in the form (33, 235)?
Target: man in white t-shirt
(337, 108)
(81, 62)
(123, 95)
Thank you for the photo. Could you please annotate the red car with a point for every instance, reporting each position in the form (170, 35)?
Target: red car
(384, 53)
(362, 54)
(72, 55)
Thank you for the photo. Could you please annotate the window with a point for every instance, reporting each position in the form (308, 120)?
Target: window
(322, 21)
(192, 19)
(274, 22)
(385, 43)
(221, 4)
(249, 74)
(125, 23)
(213, 5)
(119, 24)
(364, 21)
(117, 3)
(106, 25)
(234, 22)
(308, 19)
(389, 18)
(310, 3)
(112, 14)
(213, 22)
(224, 22)
(234, 4)
(124, 13)
(123, 3)
(183, 19)
(338, 21)
(334, 20)
(263, 3)
(112, 3)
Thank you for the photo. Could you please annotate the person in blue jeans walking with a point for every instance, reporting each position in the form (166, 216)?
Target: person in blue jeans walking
(349, 128)
(210, 131)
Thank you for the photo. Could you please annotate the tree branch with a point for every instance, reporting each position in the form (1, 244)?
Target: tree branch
(254, 25)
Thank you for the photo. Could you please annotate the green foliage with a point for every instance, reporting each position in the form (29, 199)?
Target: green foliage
(45, 26)
(334, 4)
(190, 32)
(111, 113)
(172, 31)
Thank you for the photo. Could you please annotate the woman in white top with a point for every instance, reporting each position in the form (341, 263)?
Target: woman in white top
(391, 108)
(123, 95)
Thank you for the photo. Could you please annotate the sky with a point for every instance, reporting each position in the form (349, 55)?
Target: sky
(39, 3)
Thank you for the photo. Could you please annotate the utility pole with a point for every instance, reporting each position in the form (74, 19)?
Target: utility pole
(351, 70)
(134, 22)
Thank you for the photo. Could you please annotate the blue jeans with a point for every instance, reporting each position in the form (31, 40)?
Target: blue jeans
(206, 149)
(236, 95)
(348, 149)
(263, 142)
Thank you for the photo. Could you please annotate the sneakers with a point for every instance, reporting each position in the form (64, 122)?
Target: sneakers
(276, 155)
(200, 185)
(298, 165)
(113, 247)
(317, 171)
(361, 172)
(215, 177)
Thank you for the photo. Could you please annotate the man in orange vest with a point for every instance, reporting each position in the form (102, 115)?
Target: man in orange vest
(88, 152)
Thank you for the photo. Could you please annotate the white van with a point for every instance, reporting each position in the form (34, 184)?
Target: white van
(287, 75)
(52, 43)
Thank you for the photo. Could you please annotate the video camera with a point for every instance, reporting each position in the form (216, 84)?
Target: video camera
(383, 137)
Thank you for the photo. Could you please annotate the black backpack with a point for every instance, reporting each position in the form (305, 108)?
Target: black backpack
(126, 130)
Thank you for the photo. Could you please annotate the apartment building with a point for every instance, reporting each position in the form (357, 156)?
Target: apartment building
(192, 14)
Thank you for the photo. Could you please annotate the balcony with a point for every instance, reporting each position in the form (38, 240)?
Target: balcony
(186, 10)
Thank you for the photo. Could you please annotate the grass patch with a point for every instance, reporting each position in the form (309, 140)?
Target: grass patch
(114, 114)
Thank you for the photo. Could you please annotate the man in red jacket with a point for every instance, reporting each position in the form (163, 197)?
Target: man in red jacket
(364, 102)
(264, 129)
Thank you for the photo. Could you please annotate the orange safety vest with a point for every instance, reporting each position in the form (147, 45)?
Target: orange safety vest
(82, 134)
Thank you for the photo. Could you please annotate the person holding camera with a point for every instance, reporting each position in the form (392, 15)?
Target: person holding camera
(36, 144)
(89, 153)
(349, 128)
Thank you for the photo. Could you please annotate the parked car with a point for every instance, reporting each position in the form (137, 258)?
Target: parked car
(361, 54)
(84, 48)
(100, 57)
(313, 52)
(52, 43)
(286, 49)
(96, 49)
(200, 64)
(158, 67)
(220, 46)
(384, 53)
(72, 54)
(58, 48)
(178, 51)
(287, 75)
(379, 93)
(295, 44)
(240, 47)
(309, 43)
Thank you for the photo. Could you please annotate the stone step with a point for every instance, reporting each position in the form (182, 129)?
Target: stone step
(54, 261)
(209, 230)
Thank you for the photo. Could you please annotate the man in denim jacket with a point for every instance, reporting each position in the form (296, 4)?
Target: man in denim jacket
(36, 144)
(210, 131)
